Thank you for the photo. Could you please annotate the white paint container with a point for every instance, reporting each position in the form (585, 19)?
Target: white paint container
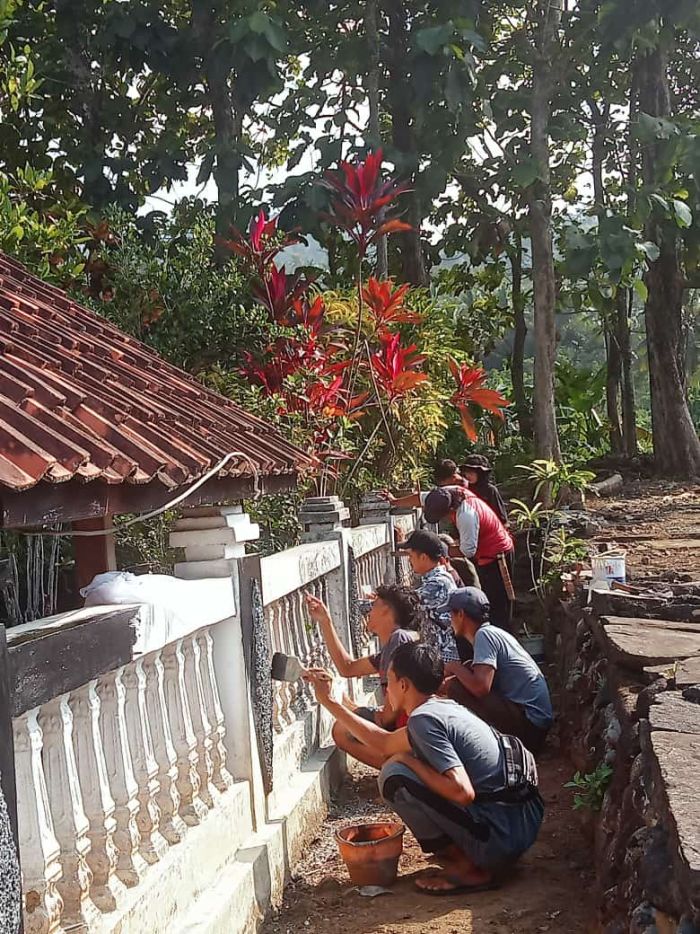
(609, 567)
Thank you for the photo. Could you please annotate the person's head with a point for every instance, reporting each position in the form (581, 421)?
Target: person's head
(446, 472)
(439, 503)
(416, 671)
(469, 609)
(476, 469)
(393, 608)
(425, 550)
(448, 542)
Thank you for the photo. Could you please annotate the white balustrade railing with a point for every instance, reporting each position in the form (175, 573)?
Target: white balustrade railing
(320, 568)
(115, 775)
(110, 777)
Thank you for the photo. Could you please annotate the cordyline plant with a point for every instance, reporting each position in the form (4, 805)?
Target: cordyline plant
(310, 367)
(472, 391)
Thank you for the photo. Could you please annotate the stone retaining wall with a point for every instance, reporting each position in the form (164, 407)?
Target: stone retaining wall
(630, 687)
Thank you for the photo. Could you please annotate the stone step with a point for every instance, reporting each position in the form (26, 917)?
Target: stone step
(640, 643)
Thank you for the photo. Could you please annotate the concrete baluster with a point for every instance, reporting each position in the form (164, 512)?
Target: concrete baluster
(200, 721)
(111, 692)
(221, 777)
(70, 822)
(152, 844)
(172, 825)
(192, 808)
(41, 869)
(107, 889)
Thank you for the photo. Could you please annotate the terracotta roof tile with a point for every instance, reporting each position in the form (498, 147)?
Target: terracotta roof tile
(78, 398)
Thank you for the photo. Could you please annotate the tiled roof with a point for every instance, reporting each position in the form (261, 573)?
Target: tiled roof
(80, 399)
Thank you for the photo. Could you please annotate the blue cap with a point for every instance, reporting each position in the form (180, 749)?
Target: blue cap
(471, 600)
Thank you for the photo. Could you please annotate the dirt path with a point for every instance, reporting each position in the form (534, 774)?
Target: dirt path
(657, 522)
(552, 890)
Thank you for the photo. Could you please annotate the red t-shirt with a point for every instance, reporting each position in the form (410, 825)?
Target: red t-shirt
(478, 523)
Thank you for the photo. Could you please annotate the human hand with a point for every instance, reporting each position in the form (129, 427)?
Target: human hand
(451, 668)
(444, 689)
(322, 682)
(399, 535)
(318, 611)
(388, 496)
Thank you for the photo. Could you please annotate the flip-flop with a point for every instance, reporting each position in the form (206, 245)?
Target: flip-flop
(458, 888)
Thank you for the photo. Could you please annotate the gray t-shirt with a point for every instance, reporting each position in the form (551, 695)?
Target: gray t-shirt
(517, 676)
(446, 735)
(382, 660)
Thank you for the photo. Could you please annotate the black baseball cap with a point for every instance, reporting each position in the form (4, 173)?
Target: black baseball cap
(437, 505)
(425, 542)
(473, 601)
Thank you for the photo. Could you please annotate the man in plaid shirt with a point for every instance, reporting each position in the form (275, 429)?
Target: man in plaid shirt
(426, 553)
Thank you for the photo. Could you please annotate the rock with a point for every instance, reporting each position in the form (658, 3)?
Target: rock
(677, 799)
(672, 713)
(638, 643)
(608, 487)
(687, 673)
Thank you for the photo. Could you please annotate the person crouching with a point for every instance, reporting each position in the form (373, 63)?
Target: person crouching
(468, 794)
(502, 684)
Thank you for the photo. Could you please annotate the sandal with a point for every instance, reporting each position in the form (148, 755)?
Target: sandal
(458, 887)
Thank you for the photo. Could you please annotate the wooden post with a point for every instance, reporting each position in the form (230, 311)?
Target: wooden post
(94, 554)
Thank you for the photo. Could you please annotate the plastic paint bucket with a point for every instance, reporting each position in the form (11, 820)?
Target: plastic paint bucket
(608, 567)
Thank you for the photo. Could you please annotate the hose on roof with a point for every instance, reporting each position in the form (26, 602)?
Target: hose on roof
(96, 533)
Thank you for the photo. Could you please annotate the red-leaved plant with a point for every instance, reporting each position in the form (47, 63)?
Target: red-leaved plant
(359, 197)
(472, 391)
(386, 304)
(395, 367)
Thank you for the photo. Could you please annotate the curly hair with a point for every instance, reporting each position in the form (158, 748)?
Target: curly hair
(405, 603)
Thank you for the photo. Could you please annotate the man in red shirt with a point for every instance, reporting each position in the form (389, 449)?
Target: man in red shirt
(482, 537)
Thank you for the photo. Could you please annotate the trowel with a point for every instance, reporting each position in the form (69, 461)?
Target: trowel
(286, 667)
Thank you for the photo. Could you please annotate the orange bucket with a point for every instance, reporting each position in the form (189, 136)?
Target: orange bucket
(371, 852)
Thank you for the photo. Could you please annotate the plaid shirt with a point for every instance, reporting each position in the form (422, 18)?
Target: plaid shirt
(435, 587)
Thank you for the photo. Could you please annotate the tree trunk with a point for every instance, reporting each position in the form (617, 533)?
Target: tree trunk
(676, 444)
(623, 312)
(540, 205)
(613, 363)
(227, 118)
(625, 297)
(613, 378)
(400, 98)
(375, 133)
(517, 357)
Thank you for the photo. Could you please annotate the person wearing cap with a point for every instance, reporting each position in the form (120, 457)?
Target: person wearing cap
(482, 537)
(476, 470)
(502, 684)
(426, 553)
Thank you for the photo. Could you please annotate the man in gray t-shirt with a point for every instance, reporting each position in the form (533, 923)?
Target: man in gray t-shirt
(468, 794)
(502, 684)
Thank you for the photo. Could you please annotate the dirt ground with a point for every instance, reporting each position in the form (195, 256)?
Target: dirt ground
(551, 891)
(657, 522)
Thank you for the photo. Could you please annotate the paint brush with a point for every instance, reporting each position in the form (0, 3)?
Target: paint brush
(286, 667)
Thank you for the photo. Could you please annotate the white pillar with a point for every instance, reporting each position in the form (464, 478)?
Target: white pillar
(200, 721)
(221, 776)
(107, 889)
(130, 863)
(192, 808)
(152, 845)
(70, 823)
(39, 849)
(172, 825)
